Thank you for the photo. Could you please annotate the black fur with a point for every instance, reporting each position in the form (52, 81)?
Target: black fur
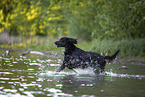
(74, 57)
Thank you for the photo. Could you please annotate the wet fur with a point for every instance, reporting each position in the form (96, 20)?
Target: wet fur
(75, 57)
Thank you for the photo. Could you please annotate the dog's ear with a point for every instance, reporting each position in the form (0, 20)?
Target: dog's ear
(70, 40)
(74, 41)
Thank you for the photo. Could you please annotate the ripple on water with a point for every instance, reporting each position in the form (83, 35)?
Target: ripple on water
(10, 90)
(30, 69)
(49, 60)
(57, 92)
(35, 64)
(54, 64)
(14, 62)
(7, 61)
(4, 78)
(41, 61)
(6, 73)
(124, 75)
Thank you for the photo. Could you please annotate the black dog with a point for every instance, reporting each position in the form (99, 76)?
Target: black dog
(76, 58)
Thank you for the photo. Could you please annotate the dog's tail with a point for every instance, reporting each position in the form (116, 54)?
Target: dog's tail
(110, 58)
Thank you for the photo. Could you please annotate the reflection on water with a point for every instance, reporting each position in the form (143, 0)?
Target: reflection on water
(32, 75)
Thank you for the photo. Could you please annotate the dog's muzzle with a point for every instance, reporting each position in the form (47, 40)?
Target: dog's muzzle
(59, 44)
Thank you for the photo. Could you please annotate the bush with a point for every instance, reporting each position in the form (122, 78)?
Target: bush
(107, 19)
(86, 19)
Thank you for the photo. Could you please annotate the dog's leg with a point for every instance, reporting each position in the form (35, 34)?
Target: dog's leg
(97, 70)
(61, 68)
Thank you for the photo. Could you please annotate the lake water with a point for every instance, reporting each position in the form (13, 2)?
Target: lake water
(34, 76)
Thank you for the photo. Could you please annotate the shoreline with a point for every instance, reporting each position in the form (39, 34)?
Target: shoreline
(136, 60)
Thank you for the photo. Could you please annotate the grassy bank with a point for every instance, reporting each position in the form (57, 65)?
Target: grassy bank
(128, 47)
(33, 43)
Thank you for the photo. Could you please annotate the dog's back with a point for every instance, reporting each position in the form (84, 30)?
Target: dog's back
(77, 58)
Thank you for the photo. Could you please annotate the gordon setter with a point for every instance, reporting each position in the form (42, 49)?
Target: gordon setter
(75, 57)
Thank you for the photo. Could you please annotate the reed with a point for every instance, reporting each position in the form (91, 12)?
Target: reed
(128, 47)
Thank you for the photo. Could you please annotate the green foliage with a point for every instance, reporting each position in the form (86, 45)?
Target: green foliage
(105, 19)
(86, 19)
(30, 17)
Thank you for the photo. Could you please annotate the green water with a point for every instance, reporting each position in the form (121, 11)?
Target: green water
(34, 76)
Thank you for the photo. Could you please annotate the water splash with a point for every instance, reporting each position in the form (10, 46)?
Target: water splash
(89, 71)
(53, 73)
(37, 52)
(85, 71)
(123, 75)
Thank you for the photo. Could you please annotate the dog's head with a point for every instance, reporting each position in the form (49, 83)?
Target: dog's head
(65, 41)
